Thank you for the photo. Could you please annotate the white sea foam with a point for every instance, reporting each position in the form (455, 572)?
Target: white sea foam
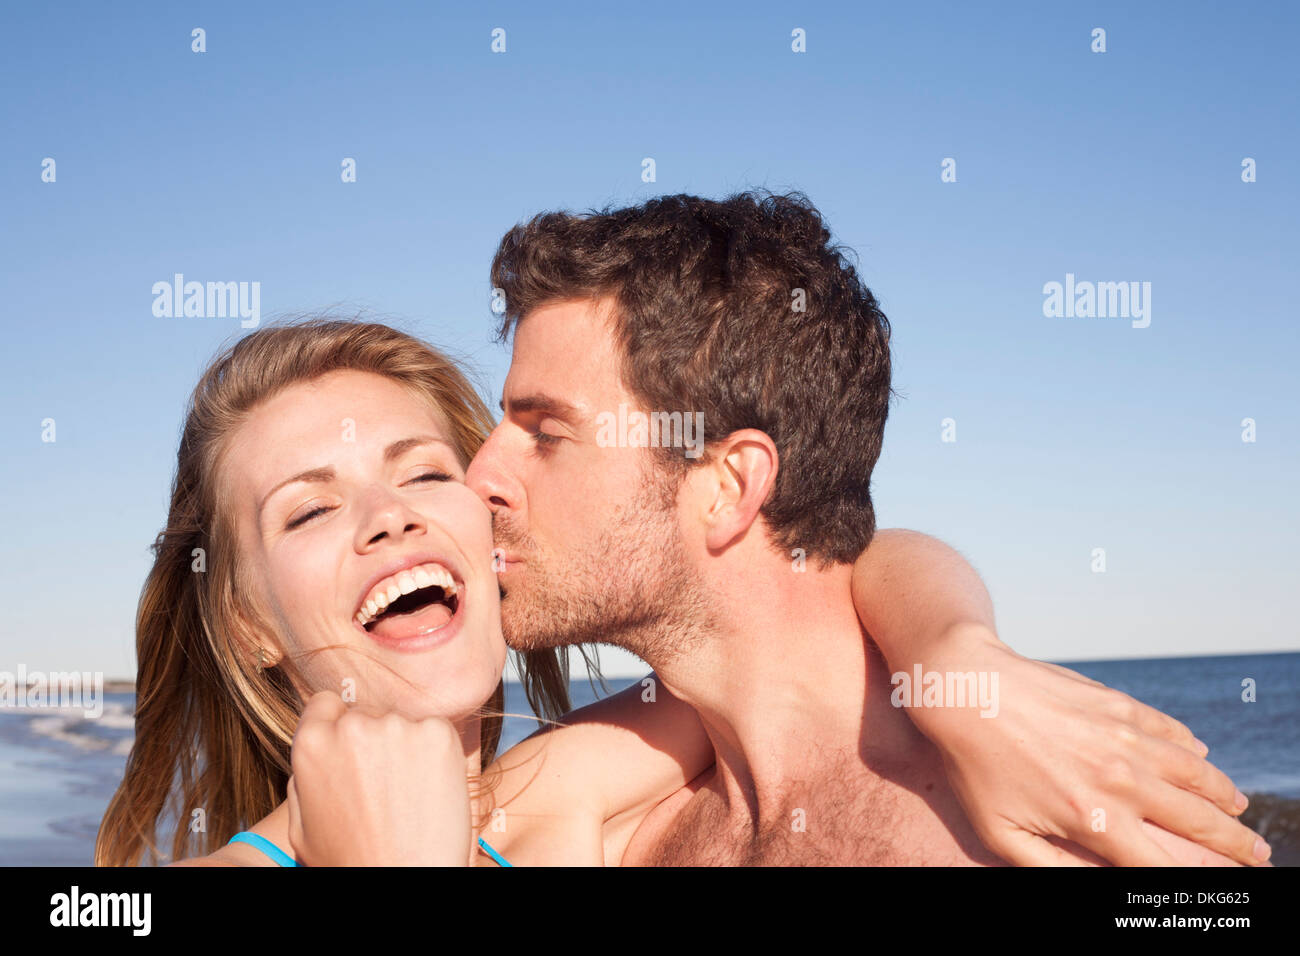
(70, 725)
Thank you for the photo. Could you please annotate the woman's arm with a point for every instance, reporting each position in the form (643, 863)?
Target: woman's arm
(573, 794)
(1065, 758)
(376, 789)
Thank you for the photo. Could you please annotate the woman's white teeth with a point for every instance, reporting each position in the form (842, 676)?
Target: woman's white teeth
(404, 582)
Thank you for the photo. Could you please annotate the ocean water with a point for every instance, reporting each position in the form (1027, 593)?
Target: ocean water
(58, 770)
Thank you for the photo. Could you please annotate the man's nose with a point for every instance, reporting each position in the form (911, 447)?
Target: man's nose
(488, 477)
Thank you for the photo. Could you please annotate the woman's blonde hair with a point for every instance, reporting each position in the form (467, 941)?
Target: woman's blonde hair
(212, 732)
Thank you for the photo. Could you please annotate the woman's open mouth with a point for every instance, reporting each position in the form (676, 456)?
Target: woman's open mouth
(411, 603)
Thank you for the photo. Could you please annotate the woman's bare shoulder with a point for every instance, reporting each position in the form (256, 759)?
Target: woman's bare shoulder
(628, 750)
(232, 854)
(216, 858)
(203, 861)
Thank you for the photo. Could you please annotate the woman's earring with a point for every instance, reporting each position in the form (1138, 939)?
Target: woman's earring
(262, 659)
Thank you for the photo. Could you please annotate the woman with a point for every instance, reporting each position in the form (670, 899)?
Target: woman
(321, 539)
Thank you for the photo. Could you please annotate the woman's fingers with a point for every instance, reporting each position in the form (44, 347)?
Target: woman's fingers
(1125, 844)
(1187, 815)
(323, 705)
(1159, 724)
(295, 820)
(1193, 774)
(1022, 848)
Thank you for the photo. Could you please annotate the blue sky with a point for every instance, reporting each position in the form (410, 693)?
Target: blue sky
(1072, 434)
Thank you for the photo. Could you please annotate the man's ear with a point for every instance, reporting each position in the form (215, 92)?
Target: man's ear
(741, 472)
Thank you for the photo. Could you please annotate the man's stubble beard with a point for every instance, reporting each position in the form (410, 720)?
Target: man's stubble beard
(634, 588)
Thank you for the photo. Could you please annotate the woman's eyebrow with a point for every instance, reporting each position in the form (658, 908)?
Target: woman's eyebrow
(401, 447)
(326, 473)
(312, 474)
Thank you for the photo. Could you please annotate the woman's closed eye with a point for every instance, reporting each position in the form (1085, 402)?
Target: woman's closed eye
(311, 514)
(306, 516)
(431, 476)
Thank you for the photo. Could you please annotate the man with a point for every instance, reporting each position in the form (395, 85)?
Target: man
(727, 569)
(725, 560)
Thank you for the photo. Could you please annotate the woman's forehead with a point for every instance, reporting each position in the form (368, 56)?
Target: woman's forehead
(311, 424)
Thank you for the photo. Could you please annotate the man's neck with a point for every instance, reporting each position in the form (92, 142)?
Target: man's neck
(781, 675)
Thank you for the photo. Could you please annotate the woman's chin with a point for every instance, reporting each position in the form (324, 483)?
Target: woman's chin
(449, 670)
(455, 690)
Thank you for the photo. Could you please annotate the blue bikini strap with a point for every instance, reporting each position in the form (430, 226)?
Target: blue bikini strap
(501, 860)
(257, 841)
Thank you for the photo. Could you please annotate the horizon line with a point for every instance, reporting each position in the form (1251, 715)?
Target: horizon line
(1076, 660)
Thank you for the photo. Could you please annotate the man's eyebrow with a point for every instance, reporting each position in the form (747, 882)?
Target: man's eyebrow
(539, 402)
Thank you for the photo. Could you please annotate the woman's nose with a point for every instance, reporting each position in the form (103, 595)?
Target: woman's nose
(388, 517)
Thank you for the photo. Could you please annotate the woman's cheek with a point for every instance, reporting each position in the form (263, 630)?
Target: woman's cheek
(294, 576)
(475, 525)
(293, 606)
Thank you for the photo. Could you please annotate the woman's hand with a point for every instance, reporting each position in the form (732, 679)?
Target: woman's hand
(1066, 758)
(377, 789)
(1069, 759)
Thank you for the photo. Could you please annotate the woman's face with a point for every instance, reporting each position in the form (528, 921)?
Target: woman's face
(355, 523)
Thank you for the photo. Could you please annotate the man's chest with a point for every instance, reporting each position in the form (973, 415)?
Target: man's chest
(828, 822)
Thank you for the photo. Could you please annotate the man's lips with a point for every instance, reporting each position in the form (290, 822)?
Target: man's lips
(503, 560)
